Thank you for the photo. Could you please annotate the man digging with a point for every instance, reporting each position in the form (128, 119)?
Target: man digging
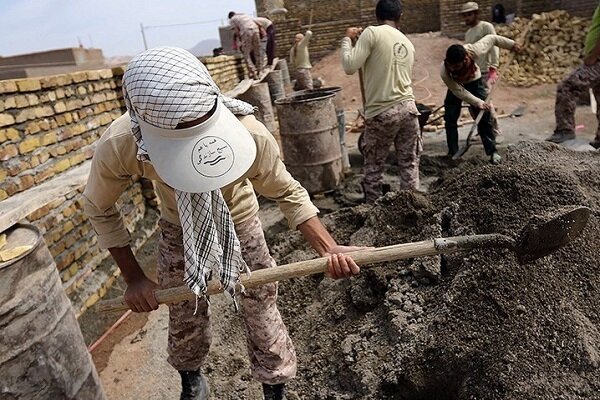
(300, 60)
(386, 56)
(206, 154)
(462, 76)
(488, 65)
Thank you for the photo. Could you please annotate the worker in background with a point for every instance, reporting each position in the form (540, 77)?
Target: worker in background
(488, 65)
(267, 32)
(462, 75)
(247, 30)
(206, 154)
(386, 57)
(300, 60)
(582, 79)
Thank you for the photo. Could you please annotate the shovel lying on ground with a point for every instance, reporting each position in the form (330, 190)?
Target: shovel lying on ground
(537, 239)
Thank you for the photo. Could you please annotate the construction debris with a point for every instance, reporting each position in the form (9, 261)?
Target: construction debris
(553, 48)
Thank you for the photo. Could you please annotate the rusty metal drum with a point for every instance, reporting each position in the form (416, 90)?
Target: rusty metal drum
(42, 351)
(341, 117)
(285, 71)
(275, 82)
(310, 141)
(258, 95)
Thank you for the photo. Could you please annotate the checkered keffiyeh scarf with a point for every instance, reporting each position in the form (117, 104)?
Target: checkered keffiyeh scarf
(165, 87)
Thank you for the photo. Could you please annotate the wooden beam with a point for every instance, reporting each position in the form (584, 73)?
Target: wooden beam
(19, 206)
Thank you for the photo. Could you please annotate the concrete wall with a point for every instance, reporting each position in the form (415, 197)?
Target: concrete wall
(48, 127)
(51, 62)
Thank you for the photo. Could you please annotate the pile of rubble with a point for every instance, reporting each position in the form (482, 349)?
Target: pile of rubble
(553, 48)
(474, 325)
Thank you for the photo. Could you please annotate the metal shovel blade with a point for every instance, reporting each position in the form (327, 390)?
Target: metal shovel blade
(546, 234)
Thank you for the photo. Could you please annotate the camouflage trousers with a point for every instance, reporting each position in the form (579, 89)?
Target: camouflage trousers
(303, 79)
(398, 125)
(572, 88)
(270, 349)
(250, 46)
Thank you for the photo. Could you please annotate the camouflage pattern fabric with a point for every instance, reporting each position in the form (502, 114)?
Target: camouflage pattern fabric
(303, 79)
(251, 44)
(271, 352)
(397, 125)
(567, 93)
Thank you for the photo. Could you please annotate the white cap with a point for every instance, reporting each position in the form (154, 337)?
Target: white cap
(468, 7)
(204, 157)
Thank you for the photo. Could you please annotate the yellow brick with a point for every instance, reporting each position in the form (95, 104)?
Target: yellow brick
(81, 90)
(24, 115)
(93, 299)
(60, 107)
(29, 85)
(6, 119)
(78, 76)
(49, 138)
(8, 86)
(32, 99)
(43, 111)
(32, 127)
(67, 212)
(12, 133)
(3, 195)
(60, 93)
(10, 102)
(106, 73)
(21, 101)
(3, 137)
(93, 75)
(65, 276)
(29, 145)
(68, 227)
(3, 174)
(76, 159)
(62, 165)
(73, 268)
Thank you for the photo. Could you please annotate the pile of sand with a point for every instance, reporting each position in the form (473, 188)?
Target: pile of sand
(467, 326)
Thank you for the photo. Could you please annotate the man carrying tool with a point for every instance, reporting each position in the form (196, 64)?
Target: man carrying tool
(267, 32)
(462, 75)
(569, 90)
(300, 60)
(206, 154)
(248, 32)
(488, 65)
(386, 57)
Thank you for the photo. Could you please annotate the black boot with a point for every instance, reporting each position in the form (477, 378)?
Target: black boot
(194, 386)
(274, 392)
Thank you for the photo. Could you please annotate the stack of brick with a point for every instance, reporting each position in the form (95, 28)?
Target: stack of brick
(554, 47)
(227, 71)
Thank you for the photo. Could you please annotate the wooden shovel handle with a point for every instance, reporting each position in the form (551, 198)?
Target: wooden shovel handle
(288, 271)
(319, 265)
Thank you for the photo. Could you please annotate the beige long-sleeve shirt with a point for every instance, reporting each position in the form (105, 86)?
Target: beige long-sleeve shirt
(475, 50)
(244, 24)
(387, 57)
(478, 32)
(115, 162)
(299, 57)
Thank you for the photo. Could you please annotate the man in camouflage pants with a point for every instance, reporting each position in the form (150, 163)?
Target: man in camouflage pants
(574, 86)
(386, 56)
(271, 352)
(249, 33)
(207, 155)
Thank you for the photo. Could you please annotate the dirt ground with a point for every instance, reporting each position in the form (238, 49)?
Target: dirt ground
(443, 328)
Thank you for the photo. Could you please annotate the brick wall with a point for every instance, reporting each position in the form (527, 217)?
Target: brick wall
(330, 19)
(48, 127)
(452, 24)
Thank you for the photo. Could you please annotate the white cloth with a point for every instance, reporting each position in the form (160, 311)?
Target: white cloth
(164, 87)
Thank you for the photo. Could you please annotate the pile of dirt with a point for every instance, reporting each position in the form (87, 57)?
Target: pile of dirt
(554, 47)
(476, 325)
